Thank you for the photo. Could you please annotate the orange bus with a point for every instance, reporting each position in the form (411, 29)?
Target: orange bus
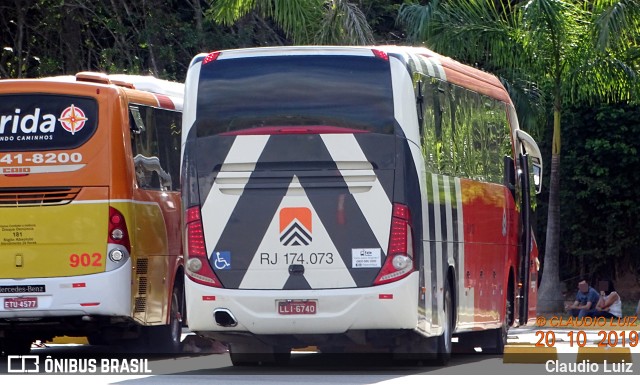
(90, 241)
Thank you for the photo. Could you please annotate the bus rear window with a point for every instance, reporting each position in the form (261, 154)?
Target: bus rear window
(352, 92)
(46, 122)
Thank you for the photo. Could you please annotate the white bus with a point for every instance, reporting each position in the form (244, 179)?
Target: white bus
(354, 196)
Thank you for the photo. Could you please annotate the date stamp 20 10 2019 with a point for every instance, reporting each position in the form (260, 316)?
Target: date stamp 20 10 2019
(607, 330)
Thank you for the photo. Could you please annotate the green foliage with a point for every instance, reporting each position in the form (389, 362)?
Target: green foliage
(599, 196)
(303, 21)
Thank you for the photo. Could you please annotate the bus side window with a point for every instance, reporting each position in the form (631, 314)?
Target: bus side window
(418, 89)
(168, 124)
(150, 172)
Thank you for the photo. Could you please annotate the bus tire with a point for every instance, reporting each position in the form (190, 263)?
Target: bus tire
(501, 334)
(445, 345)
(166, 338)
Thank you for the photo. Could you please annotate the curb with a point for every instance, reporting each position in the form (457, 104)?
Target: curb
(63, 340)
(528, 354)
(601, 354)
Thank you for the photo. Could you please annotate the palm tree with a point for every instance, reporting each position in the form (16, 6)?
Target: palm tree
(303, 21)
(575, 50)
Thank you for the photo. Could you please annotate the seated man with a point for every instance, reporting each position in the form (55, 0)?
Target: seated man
(609, 305)
(586, 300)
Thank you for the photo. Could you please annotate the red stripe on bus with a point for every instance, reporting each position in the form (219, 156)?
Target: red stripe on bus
(295, 130)
(165, 102)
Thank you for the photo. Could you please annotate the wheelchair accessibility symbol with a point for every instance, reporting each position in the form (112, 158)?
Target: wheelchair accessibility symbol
(221, 260)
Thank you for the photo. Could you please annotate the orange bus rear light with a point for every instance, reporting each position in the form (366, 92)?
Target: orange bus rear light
(90, 304)
(118, 232)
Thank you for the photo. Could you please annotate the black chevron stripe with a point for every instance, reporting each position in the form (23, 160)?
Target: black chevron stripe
(296, 240)
(299, 231)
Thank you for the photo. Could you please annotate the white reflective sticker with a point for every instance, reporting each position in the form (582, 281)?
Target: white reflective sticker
(362, 258)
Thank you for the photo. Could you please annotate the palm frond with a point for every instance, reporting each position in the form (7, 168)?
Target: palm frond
(602, 78)
(529, 102)
(417, 18)
(344, 23)
(614, 24)
(227, 12)
(298, 19)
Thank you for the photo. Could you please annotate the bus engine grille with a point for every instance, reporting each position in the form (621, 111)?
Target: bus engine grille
(10, 197)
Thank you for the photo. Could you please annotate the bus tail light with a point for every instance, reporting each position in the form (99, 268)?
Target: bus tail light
(399, 262)
(198, 268)
(380, 54)
(213, 56)
(118, 232)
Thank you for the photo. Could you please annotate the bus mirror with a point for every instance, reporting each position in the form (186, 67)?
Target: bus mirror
(137, 124)
(537, 176)
(509, 174)
(531, 148)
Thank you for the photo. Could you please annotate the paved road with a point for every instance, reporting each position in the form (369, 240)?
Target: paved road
(305, 367)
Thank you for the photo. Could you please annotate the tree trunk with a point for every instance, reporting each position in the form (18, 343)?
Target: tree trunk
(197, 14)
(20, 28)
(550, 299)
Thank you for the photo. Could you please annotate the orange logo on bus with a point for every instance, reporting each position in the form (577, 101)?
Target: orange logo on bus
(295, 226)
(72, 119)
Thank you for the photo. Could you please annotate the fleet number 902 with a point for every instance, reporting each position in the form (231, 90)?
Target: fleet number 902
(42, 158)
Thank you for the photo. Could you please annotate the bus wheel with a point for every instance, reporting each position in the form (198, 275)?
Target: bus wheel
(16, 346)
(444, 341)
(166, 338)
(500, 334)
(499, 340)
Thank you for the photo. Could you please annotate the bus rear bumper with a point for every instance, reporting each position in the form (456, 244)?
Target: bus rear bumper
(390, 306)
(104, 294)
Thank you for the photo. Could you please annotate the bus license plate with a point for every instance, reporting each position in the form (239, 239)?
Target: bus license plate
(21, 303)
(297, 307)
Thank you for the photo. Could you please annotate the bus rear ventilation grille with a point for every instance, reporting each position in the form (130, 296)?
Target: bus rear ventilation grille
(10, 197)
(140, 305)
(142, 285)
(142, 265)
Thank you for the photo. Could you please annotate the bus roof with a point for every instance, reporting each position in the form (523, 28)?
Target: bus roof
(172, 90)
(454, 71)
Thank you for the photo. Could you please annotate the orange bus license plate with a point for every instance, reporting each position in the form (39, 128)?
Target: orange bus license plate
(21, 303)
(297, 307)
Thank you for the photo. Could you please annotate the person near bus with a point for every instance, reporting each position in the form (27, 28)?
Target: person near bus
(609, 305)
(586, 299)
